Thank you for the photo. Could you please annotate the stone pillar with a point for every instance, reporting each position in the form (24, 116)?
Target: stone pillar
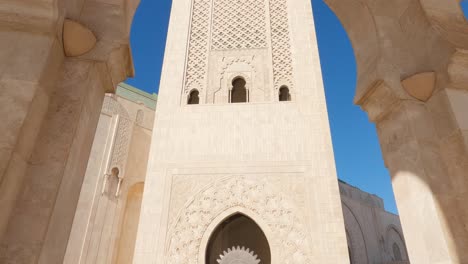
(29, 63)
(50, 106)
(39, 224)
(424, 149)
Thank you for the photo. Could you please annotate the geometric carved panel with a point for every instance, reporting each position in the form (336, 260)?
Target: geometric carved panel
(198, 45)
(280, 44)
(238, 24)
(286, 229)
(227, 25)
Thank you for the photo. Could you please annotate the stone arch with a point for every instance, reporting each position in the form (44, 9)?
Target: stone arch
(239, 91)
(356, 236)
(392, 236)
(226, 215)
(284, 94)
(448, 19)
(284, 226)
(360, 26)
(193, 97)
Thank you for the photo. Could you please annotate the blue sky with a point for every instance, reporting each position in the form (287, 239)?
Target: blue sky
(357, 151)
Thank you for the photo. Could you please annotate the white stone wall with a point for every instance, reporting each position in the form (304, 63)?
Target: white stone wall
(100, 216)
(370, 229)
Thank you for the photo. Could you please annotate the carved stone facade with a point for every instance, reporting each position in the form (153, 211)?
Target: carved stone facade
(104, 229)
(50, 109)
(251, 196)
(246, 38)
(106, 219)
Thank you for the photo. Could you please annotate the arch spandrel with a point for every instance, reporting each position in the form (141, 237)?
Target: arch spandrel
(278, 218)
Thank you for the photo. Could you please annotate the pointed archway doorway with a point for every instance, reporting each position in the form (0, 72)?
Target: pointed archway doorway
(238, 240)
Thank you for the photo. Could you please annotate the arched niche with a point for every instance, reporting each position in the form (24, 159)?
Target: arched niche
(239, 92)
(193, 97)
(356, 242)
(284, 94)
(395, 240)
(238, 237)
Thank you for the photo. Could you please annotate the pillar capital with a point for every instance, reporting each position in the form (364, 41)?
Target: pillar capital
(379, 100)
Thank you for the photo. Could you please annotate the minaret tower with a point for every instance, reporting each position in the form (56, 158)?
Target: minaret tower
(241, 166)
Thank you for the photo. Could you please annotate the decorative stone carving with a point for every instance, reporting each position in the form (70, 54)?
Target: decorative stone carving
(187, 230)
(77, 39)
(111, 107)
(232, 67)
(122, 137)
(198, 49)
(121, 145)
(238, 24)
(280, 44)
(238, 256)
(420, 86)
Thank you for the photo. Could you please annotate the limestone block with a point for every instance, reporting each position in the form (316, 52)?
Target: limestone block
(447, 17)
(420, 86)
(459, 104)
(77, 39)
(28, 58)
(15, 98)
(378, 101)
(457, 70)
(29, 15)
(439, 106)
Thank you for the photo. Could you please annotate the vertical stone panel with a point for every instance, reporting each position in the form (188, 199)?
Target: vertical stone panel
(40, 223)
(130, 224)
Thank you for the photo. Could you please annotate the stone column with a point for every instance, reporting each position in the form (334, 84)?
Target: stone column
(50, 106)
(423, 148)
(30, 55)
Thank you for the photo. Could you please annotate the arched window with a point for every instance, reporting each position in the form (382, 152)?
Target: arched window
(238, 239)
(239, 93)
(194, 97)
(284, 94)
(115, 172)
(397, 252)
(140, 117)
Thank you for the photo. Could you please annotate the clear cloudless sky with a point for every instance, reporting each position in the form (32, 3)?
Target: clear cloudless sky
(357, 151)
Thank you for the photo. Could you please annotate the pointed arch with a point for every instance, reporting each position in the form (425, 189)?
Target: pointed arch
(241, 231)
(355, 235)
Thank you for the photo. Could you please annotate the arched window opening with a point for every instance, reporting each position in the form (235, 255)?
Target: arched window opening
(284, 94)
(238, 239)
(239, 93)
(115, 172)
(140, 116)
(397, 252)
(194, 97)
